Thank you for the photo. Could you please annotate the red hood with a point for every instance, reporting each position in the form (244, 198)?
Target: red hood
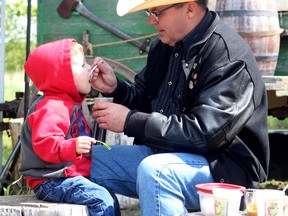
(49, 68)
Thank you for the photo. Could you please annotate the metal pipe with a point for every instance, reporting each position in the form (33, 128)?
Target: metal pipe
(28, 31)
(13, 156)
(88, 14)
(2, 68)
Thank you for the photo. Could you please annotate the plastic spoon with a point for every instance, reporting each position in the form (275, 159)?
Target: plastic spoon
(285, 188)
(91, 71)
(105, 144)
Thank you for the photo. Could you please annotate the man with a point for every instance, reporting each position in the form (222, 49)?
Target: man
(198, 111)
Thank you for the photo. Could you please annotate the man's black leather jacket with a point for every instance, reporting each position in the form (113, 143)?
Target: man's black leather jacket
(224, 107)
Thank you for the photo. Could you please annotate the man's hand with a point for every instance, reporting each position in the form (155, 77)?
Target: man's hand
(103, 77)
(110, 116)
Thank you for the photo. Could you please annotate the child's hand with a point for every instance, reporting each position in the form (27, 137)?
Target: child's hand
(83, 144)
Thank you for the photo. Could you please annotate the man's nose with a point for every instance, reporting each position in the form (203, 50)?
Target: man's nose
(151, 20)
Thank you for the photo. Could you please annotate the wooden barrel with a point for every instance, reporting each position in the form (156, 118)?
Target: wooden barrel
(282, 65)
(283, 21)
(258, 23)
(282, 5)
(212, 5)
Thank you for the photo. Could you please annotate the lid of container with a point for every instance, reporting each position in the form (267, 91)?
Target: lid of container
(208, 187)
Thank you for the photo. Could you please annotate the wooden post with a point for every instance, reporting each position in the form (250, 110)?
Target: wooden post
(15, 126)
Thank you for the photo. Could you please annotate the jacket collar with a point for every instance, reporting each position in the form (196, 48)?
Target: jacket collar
(200, 34)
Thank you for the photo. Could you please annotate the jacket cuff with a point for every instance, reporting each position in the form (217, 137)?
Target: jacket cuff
(135, 124)
(118, 94)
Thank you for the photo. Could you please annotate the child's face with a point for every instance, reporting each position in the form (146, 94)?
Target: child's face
(80, 73)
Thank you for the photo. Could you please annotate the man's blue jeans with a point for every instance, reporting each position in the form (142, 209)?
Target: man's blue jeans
(79, 190)
(164, 182)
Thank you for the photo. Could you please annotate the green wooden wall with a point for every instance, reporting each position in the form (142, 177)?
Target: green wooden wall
(51, 26)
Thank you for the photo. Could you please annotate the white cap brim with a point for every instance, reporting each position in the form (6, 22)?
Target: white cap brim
(129, 6)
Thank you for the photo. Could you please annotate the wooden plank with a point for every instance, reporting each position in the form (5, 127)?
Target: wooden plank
(275, 101)
(279, 84)
(29, 205)
(277, 91)
(281, 93)
(15, 126)
(274, 79)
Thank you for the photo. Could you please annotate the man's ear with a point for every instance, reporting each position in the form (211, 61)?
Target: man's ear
(191, 8)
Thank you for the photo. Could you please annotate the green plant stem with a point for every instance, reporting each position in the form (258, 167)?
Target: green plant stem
(105, 144)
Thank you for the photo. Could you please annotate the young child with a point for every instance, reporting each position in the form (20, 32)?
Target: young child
(55, 137)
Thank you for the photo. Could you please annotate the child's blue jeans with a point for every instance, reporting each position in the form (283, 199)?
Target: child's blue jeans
(79, 190)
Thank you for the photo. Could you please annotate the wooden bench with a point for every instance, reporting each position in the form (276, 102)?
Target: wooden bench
(29, 205)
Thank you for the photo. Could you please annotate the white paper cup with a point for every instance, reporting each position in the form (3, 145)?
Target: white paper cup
(226, 201)
(270, 202)
(285, 205)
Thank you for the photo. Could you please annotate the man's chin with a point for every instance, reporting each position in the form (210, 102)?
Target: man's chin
(163, 39)
(168, 42)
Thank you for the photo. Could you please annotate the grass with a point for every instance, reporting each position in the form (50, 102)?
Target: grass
(275, 124)
(14, 82)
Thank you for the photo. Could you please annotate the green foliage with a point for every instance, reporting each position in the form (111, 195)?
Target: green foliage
(16, 12)
(9, 191)
(6, 146)
(274, 184)
(15, 36)
(16, 55)
(276, 124)
(14, 82)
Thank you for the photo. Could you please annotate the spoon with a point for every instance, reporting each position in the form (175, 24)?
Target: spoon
(104, 143)
(285, 188)
(91, 71)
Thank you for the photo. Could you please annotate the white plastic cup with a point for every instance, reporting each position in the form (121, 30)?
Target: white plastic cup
(270, 202)
(99, 133)
(103, 99)
(250, 201)
(226, 201)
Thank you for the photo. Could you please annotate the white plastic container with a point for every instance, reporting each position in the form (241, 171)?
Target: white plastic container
(285, 205)
(206, 197)
(206, 203)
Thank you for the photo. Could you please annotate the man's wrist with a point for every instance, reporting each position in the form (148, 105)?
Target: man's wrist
(135, 124)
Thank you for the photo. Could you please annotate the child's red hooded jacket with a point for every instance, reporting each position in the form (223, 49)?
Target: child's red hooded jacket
(54, 119)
